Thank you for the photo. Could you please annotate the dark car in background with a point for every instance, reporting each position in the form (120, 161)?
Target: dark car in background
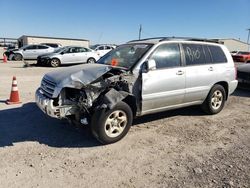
(10, 52)
(243, 73)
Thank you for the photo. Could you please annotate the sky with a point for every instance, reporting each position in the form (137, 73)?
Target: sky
(118, 21)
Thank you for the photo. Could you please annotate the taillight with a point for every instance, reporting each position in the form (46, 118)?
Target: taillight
(235, 70)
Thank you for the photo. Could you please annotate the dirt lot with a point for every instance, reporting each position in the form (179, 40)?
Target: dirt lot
(181, 148)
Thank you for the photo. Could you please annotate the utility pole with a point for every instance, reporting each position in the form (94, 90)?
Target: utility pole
(248, 39)
(140, 29)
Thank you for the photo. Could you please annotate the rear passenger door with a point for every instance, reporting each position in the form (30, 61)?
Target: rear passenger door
(41, 49)
(82, 55)
(165, 85)
(200, 72)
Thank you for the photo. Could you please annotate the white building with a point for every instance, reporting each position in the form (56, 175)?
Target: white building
(25, 40)
(235, 44)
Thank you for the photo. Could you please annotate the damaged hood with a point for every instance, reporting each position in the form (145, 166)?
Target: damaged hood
(77, 76)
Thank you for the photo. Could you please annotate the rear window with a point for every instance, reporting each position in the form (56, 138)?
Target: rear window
(217, 54)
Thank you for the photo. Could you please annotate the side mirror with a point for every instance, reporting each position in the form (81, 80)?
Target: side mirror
(62, 53)
(24, 49)
(151, 64)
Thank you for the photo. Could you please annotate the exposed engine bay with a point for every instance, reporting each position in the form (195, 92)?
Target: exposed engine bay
(78, 101)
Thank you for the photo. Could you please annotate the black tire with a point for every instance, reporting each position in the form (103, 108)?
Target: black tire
(55, 62)
(105, 124)
(91, 60)
(18, 57)
(215, 100)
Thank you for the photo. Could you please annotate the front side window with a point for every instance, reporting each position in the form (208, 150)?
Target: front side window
(166, 56)
(101, 48)
(126, 55)
(31, 47)
(194, 54)
(70, 50)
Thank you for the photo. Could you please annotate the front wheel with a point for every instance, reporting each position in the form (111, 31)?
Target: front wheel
(91, 60)
(215, 100)
(110, 126)
(55, 62)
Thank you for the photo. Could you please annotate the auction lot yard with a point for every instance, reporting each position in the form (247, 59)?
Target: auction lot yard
(180, 148)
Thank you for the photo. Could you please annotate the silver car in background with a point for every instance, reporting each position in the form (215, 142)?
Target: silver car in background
(31, 51)
(138, 78)
(68, 55)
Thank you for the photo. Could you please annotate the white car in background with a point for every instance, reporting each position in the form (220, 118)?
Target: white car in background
(102, 49)
(68, 55)
(31, 51)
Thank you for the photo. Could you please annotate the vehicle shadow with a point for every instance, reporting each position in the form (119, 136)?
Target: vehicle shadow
(240, 92)
(28, 123)
(188, 111)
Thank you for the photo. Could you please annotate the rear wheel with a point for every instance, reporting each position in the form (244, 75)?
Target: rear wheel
(110, 126)
(91, 60)
(55, 62)
(18, 57)
(215, 100)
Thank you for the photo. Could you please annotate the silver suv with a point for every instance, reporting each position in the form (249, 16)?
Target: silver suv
(137, 78)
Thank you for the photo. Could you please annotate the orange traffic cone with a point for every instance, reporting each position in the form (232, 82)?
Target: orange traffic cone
(4, 58)
(14, 95)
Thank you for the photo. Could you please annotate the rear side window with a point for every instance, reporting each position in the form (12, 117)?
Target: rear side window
(208, 56)
(108, 48)
(166, 56)
(194, 54)
(217, 53)
(42, 47)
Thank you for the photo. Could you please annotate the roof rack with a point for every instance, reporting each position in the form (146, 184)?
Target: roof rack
(155, 38)
(190, 39)
(180, 38)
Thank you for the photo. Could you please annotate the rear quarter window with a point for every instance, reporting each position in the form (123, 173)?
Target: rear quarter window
(217, 54)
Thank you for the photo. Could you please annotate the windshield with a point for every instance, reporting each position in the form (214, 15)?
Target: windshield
(125, 55)
(93, 47)
(60, 50)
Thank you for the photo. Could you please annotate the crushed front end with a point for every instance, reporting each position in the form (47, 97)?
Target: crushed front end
(75, 99)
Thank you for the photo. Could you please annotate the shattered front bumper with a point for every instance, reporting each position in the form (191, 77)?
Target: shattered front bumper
(47, 106)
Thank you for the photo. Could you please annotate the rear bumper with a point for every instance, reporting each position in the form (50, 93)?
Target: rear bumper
(232, 86)
(48, 107)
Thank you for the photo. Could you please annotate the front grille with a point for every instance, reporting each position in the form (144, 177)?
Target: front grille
(243, 75)
(48, 87)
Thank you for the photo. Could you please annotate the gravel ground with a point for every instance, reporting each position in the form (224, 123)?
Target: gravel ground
(180, 148)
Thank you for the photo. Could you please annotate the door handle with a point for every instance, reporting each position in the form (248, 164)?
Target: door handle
(180, 72)
(210, 68)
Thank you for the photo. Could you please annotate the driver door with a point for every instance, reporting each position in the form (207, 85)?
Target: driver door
(163, 86)
(69, 56)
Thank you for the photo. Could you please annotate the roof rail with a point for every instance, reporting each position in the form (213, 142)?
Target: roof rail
(191, 39)
(180, 38)
(154, 38)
